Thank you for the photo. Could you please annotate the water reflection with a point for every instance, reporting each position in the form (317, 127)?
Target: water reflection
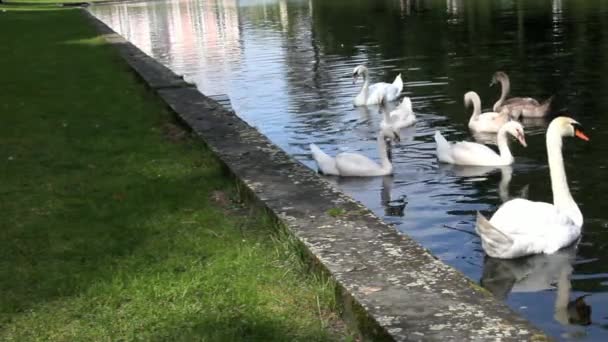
(539, 273)
(393, 205)
(286, 67)
(481, 173)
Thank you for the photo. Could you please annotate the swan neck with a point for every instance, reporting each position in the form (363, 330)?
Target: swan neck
(505, 86)
(503, 145)
(562, 198)
(503, 187)
(362, 97)
(365, 80)
(385, 114)
(476, 108)
(383, 152)
(563, 295)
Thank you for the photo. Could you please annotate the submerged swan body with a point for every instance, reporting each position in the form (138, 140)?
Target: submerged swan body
(521, 227)
(471, 153)
(489, 122)
(517, 106)
(349, 164)
(376, 93)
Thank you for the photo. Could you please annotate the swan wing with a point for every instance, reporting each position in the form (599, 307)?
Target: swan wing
(444, 149)
(470, 153)
(403, 116)
(519, 101)
(489, 121)
(392, 92)
(398, 84)
(325, 163)
(534, 227)
(494, 242)
(493, 117)
(377, 92)
(382, 90)
(357, 165)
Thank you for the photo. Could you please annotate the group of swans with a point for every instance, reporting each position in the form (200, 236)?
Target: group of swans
(519, 227)
(348, 164)
(504, 112)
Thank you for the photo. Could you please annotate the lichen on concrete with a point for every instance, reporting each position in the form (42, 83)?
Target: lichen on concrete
(391, 288)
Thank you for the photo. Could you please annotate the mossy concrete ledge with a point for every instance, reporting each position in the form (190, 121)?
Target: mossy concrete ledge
(391, 288)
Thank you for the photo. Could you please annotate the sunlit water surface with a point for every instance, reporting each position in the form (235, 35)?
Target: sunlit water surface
(286, 66)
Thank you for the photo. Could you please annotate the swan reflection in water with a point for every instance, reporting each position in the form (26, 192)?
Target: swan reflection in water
(392, 207)
(539, 273)
(506, 173)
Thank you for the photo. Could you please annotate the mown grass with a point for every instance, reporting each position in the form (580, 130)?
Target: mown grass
(116, 225)
(48, 2)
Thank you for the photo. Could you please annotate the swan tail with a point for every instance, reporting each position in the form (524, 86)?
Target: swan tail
(326, 164)
(443, 148)
(406, 104)
(398, 82)
(546, 104)
(494, 242)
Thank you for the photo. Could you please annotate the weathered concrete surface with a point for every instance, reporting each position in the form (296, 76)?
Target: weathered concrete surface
(391, 287)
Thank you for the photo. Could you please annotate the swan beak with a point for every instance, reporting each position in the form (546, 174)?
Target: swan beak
(522, 140)
(355, 76)
(581, 135)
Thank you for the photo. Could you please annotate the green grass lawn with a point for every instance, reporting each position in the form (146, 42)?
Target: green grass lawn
(43, 2)
(116, 225)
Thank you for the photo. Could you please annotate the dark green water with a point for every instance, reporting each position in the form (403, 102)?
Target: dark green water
(286, 66)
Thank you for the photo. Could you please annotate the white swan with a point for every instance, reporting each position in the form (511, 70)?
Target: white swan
(521, 227)
(349, 164)
(400, 117)
(470, 153)
(375, 93)
(484, 122)
(517, 106)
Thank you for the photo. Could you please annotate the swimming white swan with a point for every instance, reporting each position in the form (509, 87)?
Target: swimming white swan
(400, 117)
(375, 93)
(517, 106)
(349, 164)
(471, 153)
(521, 227)
(489, 122)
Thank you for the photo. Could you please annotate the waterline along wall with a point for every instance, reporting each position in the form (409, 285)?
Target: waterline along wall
(390, 287)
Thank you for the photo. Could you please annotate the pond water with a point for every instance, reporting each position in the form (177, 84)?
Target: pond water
(286, 66)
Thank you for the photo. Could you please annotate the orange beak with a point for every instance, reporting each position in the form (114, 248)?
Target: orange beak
(581, 135)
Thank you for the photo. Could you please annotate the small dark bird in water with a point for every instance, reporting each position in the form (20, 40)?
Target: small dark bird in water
(579, 312)
(395, 207)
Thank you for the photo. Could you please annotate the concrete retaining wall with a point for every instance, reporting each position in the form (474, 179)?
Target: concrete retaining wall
(391, 287)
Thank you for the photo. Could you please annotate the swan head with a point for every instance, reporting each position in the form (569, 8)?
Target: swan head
(517, 130)
(567, 127)
(360, 70)
(497, 77)
(389, 132)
